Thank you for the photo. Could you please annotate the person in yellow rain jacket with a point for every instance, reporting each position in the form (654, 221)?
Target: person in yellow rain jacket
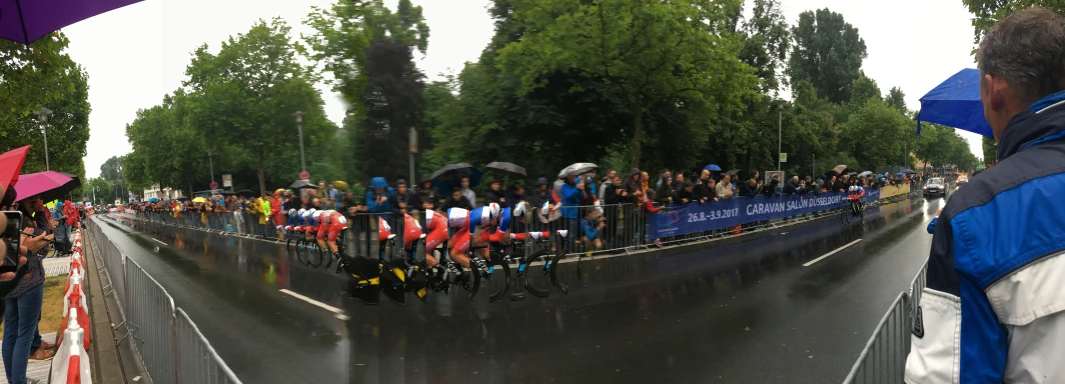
(265, 210)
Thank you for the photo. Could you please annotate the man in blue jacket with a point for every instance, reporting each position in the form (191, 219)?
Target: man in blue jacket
(572, 194)
(379, 197)
(992, 311)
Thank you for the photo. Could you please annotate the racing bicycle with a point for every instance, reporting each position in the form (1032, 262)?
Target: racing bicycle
(855, 209)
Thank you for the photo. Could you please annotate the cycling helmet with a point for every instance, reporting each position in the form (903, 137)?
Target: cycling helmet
(519, 209)
(493, 210)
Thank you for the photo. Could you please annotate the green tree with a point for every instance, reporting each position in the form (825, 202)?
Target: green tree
(874, 135)
(104, 190)
(896, 99)
(344, 32)
(987, 13)
(990, 150)
(111, 169)
(67, 129)
(652, 55)
(33, 76)
(828, 52)
(768, 40)
(248, 93)
(394, 104)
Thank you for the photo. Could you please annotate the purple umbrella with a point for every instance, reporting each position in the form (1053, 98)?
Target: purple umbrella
(48, 185)
(27, 20)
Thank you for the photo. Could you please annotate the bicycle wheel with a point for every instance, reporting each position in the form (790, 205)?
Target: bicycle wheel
(497, 260)
(290, 245)
(523, 274)
(844, 215)
(302, 251)
(315, 255)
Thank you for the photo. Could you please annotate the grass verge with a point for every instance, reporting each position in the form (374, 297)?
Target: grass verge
(52, 309)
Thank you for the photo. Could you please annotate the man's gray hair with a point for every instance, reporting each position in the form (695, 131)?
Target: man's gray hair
(1027, 50)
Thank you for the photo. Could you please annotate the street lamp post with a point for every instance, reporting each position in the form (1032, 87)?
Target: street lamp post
(42, 116)
(780, 124)
(299, 129)
(210, 161)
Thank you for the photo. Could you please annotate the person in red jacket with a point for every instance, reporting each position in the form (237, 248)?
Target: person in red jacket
(275, 212)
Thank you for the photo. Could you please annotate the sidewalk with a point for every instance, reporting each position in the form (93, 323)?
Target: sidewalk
(37, 369)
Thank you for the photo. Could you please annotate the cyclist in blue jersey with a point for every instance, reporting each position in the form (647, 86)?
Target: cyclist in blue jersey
(474, 231)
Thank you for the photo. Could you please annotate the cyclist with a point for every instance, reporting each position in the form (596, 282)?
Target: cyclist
(310, 225)
(436, 224)
(474, 230)
(292, 223)
(333, 223)
(854, 195)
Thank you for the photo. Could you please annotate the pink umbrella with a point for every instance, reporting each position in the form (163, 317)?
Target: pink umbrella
(48, 185)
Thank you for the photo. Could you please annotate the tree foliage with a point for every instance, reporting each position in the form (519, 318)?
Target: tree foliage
(987, 13)
(766, 44)
(828, 52)
(675, 58)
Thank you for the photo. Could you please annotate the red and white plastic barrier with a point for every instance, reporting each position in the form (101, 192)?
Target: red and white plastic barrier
(71, 361)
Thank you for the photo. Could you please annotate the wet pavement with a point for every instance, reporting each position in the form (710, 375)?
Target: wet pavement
(739, 311)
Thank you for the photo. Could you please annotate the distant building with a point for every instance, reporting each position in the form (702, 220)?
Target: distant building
(161, 194)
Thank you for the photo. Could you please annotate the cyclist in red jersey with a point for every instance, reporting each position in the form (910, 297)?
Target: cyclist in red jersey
(474, 230)
(332, 224)
(436, 228)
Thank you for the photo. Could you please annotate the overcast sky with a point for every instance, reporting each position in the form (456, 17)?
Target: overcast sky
(136, 54)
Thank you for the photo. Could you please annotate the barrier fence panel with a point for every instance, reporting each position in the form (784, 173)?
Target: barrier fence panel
(150, 320)
(197, 361)
(884, 358)
(170, 345)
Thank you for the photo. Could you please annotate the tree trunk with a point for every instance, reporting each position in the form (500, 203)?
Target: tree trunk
(262, 173)
(190, 187)
(637, 138)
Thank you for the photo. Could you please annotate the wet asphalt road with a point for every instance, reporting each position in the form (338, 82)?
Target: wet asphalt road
(737, 312)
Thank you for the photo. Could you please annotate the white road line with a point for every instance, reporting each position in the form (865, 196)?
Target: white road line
(339, 312)
(157, 241)
(830, 253)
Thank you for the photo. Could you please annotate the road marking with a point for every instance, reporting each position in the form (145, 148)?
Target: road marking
(157, 241)
(339, 312)
(831, 253)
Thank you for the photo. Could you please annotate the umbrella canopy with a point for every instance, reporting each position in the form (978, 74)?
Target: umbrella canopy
(153, 200)
(852, 173)
(182, 198)
(837, 170)
(48, 185)
(577, 169)
(341, 185)
(199, 200)
(712, 168)
(450, 176)
(26, 21)
(906, 170)
(10, 165)
(246, 193)
(510, 169)
(733, 172)
(956, 103)
(866, 173)
(300, 184)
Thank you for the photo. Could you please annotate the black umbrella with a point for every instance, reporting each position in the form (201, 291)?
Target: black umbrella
(836, 171)
(227, 193)
(246, 193)
(509, 169)
(450, 176)
(733, 172)
(300, 184)
(75, 180)
(182, 198)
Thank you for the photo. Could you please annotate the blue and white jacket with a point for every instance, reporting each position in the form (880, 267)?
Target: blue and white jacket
(992, 311)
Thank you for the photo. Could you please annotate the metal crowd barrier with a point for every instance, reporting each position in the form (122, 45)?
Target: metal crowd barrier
(168, 343)
(625, 227)
(883, 360)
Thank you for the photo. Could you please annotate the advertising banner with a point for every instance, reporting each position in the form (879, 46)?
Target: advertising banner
(694, 217)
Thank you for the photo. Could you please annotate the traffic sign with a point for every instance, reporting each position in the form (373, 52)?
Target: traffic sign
(214, 185)
(305, 176)
(783, 157)
(227, 180)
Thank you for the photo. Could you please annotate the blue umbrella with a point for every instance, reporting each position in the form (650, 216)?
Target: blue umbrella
(712, 168)
(154, 199)
(956, 103)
